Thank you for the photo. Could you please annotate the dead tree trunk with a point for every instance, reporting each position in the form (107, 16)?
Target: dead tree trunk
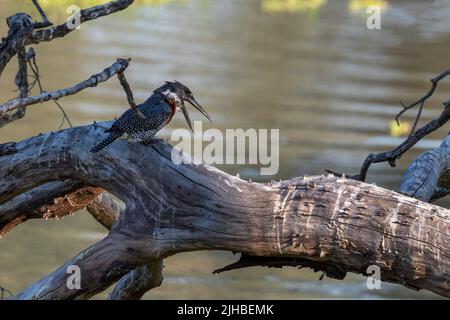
(332, 224)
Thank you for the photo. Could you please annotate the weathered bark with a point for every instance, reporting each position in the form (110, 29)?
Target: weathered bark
(20, 29)
(426, 177)
(58, 199)
(101, 264)
(137, 282)
(331, 224)
(51, 200)
(104, 209)
(86, 15)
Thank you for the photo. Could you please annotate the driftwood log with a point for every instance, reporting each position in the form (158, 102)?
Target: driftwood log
(331, 224)
(427, 177)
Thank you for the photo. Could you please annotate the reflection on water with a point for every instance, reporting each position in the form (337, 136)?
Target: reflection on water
(363, 5)
(328, 83)
(291, 5)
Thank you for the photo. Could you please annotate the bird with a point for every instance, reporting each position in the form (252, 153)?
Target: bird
(142, 124)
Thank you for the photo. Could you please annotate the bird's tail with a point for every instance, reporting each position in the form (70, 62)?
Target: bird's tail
(113, 135)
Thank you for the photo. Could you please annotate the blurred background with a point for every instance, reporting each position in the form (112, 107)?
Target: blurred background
(310, 68)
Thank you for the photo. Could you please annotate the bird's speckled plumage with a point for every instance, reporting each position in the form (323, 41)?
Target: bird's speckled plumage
(158, 111)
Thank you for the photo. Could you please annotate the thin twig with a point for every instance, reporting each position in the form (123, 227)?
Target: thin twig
(7, 148)
(129, 93)
(421, 101)
(65, 116)
(2, 293)
(21, 82)
(414, 136)
(44, 23)
(22, 74)
(392, 156)
(35, 69)
(37, 79)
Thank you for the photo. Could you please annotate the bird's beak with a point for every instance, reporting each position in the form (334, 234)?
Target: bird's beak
(199, 108)
(186, 116)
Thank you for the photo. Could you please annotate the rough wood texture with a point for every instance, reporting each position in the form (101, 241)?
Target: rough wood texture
(426, 175)
(58, 199)
(332, 224)
(51, 200)
(104, 209)
(137, 282)
(20, 29)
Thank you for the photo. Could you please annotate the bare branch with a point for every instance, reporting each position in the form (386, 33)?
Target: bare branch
(395, 154)
(37, 79)
(65, 116)
(20, 28)
(44, 23)
(25, 89)
(85, 15)
(330, 221)
(136, 283)
(246, 261)
(31, 58)
(58, 199)
(7, 148)
(421, 101)
(23, 34)
(21, 81)
(421, 180)
(392, 156)
(129, 93)
(22, 74)
(102, 264)
(413, 138)
(93, 81)
(51, 200)
(3, 291)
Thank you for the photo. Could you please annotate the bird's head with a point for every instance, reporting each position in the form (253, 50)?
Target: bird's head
(178, 92)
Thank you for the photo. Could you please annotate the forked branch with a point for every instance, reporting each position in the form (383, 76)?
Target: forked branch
(23, 32)
(421, 101)
(413, 138)
(44, 23)
(93, 81)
